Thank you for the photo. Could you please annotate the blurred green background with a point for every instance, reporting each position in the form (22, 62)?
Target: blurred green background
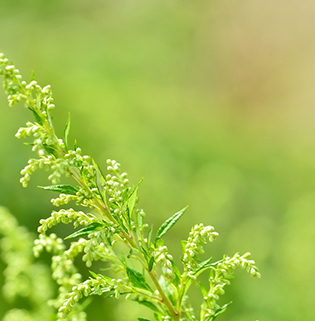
(211, 102)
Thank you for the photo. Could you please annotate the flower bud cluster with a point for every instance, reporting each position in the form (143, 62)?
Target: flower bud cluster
(66, 217)
(75, 158)
(65, 199)
(75, 248)
(51, 244)
(59, 167)
(98, 247)
(116, 182)
(198, 236)
(12, 80)
(24, 132)
(162, 256)
(221, 273)
(18, 90)
(33, 165)
(63, 270)
(96, 286)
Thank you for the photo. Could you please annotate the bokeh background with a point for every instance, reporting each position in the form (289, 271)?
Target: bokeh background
(211, 102)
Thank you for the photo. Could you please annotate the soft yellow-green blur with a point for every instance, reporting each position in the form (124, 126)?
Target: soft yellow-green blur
(211, 102)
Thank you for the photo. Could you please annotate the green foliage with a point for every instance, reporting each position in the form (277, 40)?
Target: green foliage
(113, 232)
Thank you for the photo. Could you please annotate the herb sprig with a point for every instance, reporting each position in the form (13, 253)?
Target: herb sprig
(145, 272)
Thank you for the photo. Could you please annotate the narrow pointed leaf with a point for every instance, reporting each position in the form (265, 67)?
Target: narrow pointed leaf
(149, 236)
(64, 188)
(67, 130)
(204, 265)
(151, 263)
(170, 222)
(33, 75)
(218, 312)
(50, 150)
(84, 231)
(36, 116)
(104, 277)
(132, 200)
(148, 304)
(137, 279)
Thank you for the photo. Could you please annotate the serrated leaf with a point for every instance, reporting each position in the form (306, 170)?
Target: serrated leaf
(67, 130)
(84, 231)
(137, 279)
(169, 223)
(64, 189)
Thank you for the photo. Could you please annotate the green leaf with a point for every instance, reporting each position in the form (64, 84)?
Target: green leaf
(148, 304)
(204, 265)
(167, 289)
(151, 262)
(202, 287)
(36, 116)
(132, 200)
(64, 188)
(67, 130)
(33, 75)
(133, 197)
(143, 319)
(169, 223)
(104, 277)
(106, 292)
(149, 236)
(137, 279)
(218, 312)
(84, 231)
(94, 274)
(176, 280)
(50, 150)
